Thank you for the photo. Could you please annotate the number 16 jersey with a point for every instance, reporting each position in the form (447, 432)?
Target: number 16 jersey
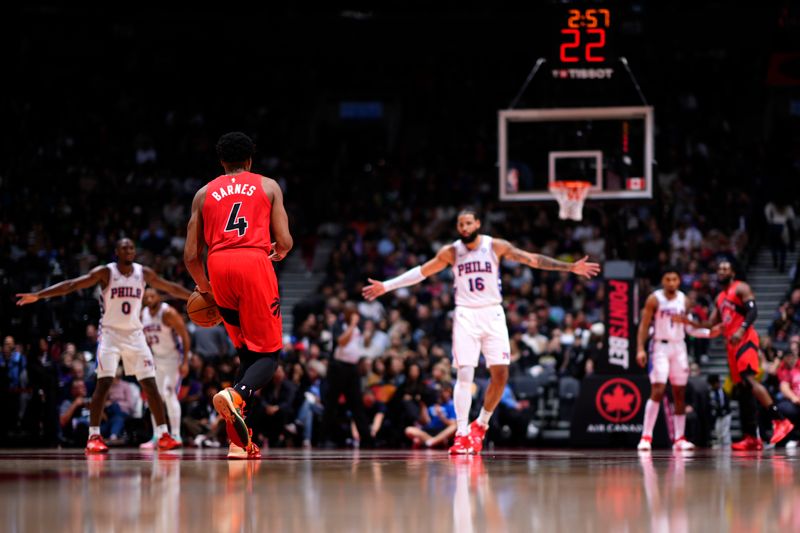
(236, 213)
(476, 274)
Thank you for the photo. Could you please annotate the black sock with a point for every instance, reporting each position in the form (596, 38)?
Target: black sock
(774, 414)
(257, 374)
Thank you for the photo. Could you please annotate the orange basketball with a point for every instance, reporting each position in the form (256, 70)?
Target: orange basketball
(203, 310)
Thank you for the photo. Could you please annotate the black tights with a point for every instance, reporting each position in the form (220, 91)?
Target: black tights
(255, 371)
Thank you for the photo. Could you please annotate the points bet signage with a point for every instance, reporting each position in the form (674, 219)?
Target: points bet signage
(619, 356)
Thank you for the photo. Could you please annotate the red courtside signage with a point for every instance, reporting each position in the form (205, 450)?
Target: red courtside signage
(619, 323)
(618, 400)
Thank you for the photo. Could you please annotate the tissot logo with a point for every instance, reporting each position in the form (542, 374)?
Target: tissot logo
(618, 400)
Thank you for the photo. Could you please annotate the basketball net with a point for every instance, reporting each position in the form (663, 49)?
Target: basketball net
(570, 196)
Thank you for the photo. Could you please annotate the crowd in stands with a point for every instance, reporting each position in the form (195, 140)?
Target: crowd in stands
(108, 159)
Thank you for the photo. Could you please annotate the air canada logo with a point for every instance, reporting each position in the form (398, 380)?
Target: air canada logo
(618, 400)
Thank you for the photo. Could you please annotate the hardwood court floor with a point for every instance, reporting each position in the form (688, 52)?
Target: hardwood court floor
(400, 491)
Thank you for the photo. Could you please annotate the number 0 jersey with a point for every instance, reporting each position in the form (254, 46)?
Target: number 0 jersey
(122, 299)
(236, 213)
(476, 274)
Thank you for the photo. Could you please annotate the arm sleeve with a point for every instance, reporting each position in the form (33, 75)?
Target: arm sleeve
(751, 314)
(412, 277)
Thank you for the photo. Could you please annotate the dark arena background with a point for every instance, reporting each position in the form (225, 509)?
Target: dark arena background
(681, 120)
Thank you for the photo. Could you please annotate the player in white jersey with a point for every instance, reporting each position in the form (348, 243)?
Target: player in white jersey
(480, 323)
(168, 338)
(669, 357)
(122, 335)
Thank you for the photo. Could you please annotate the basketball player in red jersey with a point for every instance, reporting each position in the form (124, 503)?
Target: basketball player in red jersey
(122, 334)
(736, 309)
(233, 217)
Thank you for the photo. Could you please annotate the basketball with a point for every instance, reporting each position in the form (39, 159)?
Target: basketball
(203, 310)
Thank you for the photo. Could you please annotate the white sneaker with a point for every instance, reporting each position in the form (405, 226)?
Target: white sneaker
(792, 445)
(645, 445)
(682, 445)
(149, 445)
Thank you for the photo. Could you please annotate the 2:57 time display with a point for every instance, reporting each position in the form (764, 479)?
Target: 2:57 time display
(585, 29)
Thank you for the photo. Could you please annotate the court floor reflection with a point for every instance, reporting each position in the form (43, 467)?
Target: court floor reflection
(402, 491)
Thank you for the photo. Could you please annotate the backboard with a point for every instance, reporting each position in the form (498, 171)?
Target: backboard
(611, 147)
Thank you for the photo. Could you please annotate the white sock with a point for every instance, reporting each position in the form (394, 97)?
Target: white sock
(160, 430)
(94, 430)
(680, 425)
(173, 412)
(650, 417)
(462, 398)
(483, 418)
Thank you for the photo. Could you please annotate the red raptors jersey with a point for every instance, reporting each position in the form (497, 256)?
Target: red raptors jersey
(236, 213)
(732, 309)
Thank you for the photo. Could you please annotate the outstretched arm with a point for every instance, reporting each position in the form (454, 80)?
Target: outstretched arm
(699, 332)
(157, 282)
(98, 274)
(196, 243)
(444, 257)
(582, 267)
(279, 220)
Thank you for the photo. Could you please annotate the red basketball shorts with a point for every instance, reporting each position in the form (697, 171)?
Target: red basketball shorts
(246, 291)
(743, 357)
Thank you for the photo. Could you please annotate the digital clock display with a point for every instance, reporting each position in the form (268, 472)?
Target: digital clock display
(583, 37)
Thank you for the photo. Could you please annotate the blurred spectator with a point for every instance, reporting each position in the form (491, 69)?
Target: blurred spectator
(311, 408)
(344, 379)
(789, 376)
(74, 416)
(781, 227)
(212, 344)
(120, 405)
(720, 410)
(274, 410)
(436, 423)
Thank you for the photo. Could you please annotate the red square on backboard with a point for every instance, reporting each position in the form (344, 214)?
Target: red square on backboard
(635, 184)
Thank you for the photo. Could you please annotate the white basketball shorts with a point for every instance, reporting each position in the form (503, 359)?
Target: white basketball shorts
(131, 347)
(168, 373)
(669, 360)
(480, 329)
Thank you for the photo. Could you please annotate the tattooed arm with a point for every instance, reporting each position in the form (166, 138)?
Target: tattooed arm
(581, 267)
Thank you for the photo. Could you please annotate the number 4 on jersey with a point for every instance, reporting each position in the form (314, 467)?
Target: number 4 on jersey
(236, 224)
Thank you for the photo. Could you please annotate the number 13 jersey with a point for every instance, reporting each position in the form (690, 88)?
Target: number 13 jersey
(236, 213)
(476, 274)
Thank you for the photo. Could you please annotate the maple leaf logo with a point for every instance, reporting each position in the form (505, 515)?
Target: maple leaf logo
(618, 400)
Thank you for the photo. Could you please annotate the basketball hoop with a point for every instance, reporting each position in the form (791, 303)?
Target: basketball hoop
(570, 196)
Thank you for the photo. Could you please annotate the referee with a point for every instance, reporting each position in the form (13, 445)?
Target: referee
(343, 378)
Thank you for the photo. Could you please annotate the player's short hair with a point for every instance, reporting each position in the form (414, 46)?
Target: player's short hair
(469, 210)
(669, 269)
(235, 147)
(730, 262)
(121, 240)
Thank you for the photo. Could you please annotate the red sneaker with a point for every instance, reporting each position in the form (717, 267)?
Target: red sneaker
(236, 452)
(95, 444)
(749, 442)
(477, 432)
(462, 445)
(166, 442)
(780, 429)
(230, 406)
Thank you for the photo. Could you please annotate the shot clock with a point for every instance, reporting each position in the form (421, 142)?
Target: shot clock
(582, 40)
